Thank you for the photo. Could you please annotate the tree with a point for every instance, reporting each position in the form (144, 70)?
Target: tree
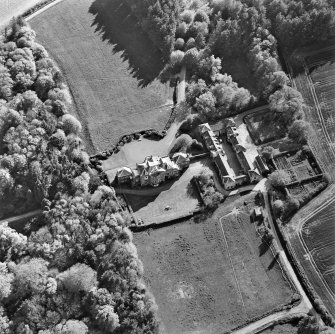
(107, 318)
(279, 178)
(201, 16)
(79, 277)
(71, 124)
(288, 102)
(182, 144)
(205, 105)
(6, 181)
(191, 58)
(176, 59)
(74, 327)
(187, 16)
(179, 44)
(278, 207)
(58, 139)
(6, 280)
(30, 277)
(299, 132)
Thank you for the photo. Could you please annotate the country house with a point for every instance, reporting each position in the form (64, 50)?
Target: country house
(154, 170)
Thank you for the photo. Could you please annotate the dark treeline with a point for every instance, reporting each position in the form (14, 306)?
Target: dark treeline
(76, 269)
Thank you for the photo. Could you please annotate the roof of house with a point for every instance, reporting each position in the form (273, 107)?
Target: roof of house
(180, 157)
(204, 127)
(211, 141)
(261, 164)
(244, 161)
(124, 171)
(222, 165)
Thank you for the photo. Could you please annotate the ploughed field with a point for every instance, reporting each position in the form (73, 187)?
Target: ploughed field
(317, 86)
(314, 248)
(110, 66)
(318, 234)
(322, 73)
(210, 275)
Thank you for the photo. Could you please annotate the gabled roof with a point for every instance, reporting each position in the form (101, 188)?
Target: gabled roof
(204, 127)
(124, 171)
(260, 164)
(222, 165)
(180, 157)
(211, 141)
(244, 161)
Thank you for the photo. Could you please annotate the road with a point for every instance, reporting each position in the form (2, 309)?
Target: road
(19, 217)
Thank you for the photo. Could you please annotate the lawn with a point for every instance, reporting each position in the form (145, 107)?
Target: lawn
(205, 281)
(262, 128)
(110, 65)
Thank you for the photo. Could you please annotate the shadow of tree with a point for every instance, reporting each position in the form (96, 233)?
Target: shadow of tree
(263, 247)
(273, 262)
(116, 25)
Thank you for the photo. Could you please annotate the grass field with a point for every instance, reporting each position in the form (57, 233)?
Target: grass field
(208, 276)
(110, 66)
(262, 128)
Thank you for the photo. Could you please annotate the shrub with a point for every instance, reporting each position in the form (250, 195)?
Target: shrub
(279, 178)
(278, 207)
(190, 123)
(196, 145)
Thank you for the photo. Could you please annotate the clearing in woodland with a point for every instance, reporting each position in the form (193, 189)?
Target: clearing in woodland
(210, 275)
(110, 65)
